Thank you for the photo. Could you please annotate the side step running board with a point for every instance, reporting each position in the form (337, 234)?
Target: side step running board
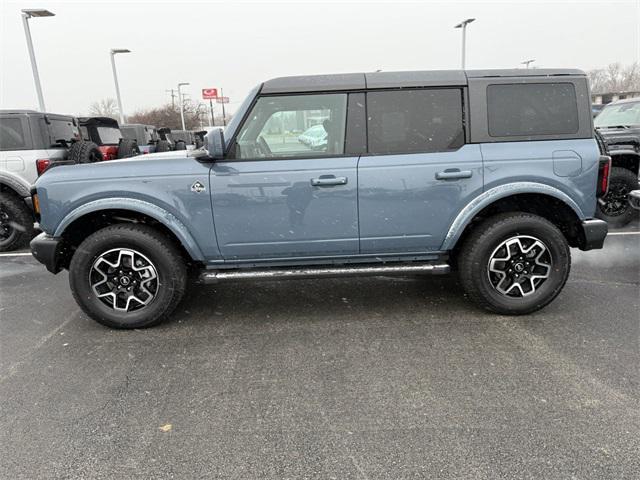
(324, 271)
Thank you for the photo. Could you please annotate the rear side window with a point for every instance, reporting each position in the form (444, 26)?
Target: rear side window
(530, 109)
(12, 135)
(412, 121)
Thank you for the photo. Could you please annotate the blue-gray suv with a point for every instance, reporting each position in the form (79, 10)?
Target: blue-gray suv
(493, 173)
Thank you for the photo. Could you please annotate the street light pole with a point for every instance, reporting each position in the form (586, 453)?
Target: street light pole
(180, 100)
(463, 26)
(528, 62)
(115, 80)
(26, 15)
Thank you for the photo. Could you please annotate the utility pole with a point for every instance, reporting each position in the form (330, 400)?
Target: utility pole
(114, 51)
(213, 121)
(181, 84)
(463, 26)
(528, 62)
(224, 116)
(26, 15)
(173, 97)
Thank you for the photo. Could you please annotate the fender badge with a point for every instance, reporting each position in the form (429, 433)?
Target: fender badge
(197, 187)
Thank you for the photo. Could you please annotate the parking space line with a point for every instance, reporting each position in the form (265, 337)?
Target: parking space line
(18, 254)
(624, 233)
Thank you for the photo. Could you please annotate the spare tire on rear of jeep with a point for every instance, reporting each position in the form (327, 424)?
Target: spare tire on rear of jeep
(128, 147)
(163, 146)
(85, 152)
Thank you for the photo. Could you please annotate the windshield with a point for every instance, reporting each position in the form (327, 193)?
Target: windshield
(109, 135)
(623, 114)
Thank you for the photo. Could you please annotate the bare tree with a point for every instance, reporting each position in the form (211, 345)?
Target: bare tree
(615, 78)
(195, 114)
(107, 107)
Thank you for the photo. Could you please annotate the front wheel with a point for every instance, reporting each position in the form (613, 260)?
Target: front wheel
(514, 263)
(127, 276)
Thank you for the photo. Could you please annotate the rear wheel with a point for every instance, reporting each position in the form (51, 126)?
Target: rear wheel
(514, 263)
(614, 207)
(16, 223)
(127, 276)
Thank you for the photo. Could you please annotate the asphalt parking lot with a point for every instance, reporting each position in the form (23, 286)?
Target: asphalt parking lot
(348, 379)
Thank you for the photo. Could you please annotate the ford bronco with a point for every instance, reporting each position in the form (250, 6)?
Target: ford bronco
(494, 173)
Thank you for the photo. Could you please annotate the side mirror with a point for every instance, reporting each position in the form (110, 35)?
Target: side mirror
(214, 143)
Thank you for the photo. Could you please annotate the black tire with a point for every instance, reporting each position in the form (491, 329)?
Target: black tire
(16, 222)
(154, 249)
(85, 152)
(614, 208)
(127, 148)
(162, 146)
(485, 242)
(180, 145)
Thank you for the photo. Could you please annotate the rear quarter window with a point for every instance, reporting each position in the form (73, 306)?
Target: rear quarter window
(62, 131)
(530, 109)
(12, 135)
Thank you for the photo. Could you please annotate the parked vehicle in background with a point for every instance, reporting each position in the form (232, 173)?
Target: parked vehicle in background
(634, 199)
(314, 137)
(164, 143)
(198, 138)
(30, 143)
(495, 173)
(619, 125)
(182, 139)
(596, 108)
(105, 132)
(145, 136)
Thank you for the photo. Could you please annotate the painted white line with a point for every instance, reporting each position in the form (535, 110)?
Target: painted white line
(19, 254)
(623, 233)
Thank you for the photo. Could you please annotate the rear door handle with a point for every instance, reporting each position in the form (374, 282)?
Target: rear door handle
(453, 174)
(328, 181)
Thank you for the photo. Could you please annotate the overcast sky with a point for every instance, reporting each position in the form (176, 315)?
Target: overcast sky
(235, 44)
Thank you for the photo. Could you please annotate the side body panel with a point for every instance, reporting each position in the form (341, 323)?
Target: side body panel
(404, 203)
(269, 208)
(164, 183)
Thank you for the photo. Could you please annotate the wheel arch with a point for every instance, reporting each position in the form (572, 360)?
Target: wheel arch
(13, 185)
(92, 216)
(540, 199)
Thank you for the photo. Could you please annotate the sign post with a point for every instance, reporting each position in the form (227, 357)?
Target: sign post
(222, 100)
(210, 94)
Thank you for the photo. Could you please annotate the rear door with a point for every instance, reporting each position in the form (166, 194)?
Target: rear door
(16, 148)
(419, 172)
(279, 195)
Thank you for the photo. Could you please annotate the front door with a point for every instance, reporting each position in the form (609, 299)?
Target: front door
(288, 189)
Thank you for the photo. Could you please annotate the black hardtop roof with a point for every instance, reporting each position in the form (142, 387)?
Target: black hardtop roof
(32, 112)
(124, 125)
(426, 78)
(108, 121)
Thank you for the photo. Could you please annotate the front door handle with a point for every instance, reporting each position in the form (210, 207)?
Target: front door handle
(453, 174)
(328, 181)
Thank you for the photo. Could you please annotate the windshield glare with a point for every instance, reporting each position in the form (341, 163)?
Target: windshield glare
(623, 114)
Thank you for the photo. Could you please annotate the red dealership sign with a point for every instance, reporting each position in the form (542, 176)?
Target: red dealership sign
(209, 93)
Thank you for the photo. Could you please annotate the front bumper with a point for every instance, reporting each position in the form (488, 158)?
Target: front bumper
(592, 233)
(634, 198)
(48, 250)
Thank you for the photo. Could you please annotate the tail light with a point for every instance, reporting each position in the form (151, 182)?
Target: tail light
(109, 152)
(604, 170)
(42, 164)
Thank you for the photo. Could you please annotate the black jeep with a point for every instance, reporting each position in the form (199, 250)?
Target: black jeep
(619, 125)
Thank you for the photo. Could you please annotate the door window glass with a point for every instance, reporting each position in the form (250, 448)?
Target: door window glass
(411, 121)
(11, 134)
(61, 132)
(294, 126)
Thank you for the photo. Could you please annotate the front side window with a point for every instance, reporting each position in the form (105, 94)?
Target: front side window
(294, 126)
(619, 115)
(413, 121)
(11, 134)
(529, 109)
(109, 136)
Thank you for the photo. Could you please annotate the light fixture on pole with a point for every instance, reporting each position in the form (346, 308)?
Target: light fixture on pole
(180, 100)
(463, 26)
(27, 13)
(528, 62)
(114, 51)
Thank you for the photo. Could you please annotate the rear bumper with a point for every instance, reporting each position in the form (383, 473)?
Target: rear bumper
(593, 232)
(48, 250)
